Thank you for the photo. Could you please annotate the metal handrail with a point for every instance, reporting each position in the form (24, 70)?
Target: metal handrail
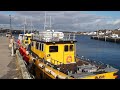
(49, 37)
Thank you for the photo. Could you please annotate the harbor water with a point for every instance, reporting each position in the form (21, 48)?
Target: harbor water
(106, 52)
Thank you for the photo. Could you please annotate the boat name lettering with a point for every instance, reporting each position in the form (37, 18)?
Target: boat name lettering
(99, 77)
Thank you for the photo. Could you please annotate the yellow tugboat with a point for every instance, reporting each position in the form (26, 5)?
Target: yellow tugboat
(55, 54)
(52, 55)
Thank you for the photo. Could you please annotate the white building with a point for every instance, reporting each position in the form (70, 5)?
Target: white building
(101, 33)
(108, 31)
(114, 35)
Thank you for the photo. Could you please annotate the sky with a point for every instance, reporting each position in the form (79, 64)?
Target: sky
(61, 20)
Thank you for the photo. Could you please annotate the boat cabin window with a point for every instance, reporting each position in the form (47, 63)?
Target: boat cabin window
(27, 37)
(53, 48)
(42, 47)
(71, 47)
(37, 44)
(66, 48)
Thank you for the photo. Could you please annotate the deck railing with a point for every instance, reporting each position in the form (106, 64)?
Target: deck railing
(51, 37)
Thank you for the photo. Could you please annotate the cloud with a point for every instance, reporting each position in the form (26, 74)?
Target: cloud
(116, 22)
(64, 20)
(4, 19)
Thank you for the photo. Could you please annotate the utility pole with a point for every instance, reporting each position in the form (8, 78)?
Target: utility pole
(12, 39)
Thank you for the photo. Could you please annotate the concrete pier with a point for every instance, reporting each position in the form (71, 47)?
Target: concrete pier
(108, 39)
(8, 65)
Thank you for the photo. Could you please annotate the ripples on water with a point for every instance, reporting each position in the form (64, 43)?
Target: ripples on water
(107, 52)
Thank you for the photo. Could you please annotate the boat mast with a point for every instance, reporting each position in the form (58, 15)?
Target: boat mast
(31, 25)
(50, 23)
(45, 21)
(50, 27)
(24, 24)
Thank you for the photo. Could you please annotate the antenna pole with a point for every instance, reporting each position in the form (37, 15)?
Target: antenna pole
(31, 25)
(50, 23)
(24, 25)
(45, 21)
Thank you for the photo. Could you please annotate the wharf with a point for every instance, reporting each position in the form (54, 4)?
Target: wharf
(8, 65)
(106, 39)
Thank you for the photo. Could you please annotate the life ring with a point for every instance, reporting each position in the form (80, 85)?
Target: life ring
(69, 59)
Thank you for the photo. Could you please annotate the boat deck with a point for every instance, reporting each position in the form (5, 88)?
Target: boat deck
(78, 69)
(8, 64)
